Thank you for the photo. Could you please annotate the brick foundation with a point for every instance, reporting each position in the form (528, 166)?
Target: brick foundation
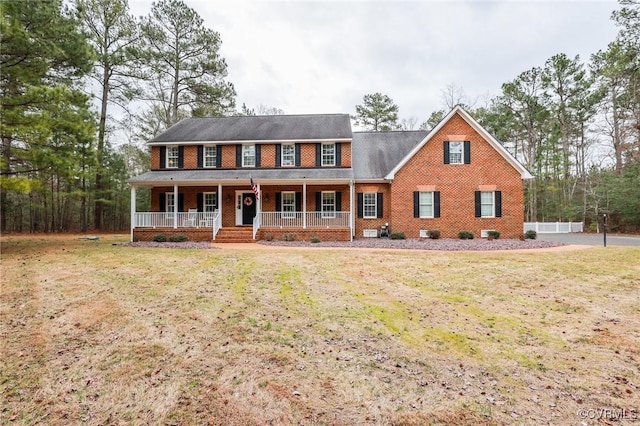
(278, 234)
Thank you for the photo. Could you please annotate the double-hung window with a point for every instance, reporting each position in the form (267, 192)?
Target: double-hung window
(248, 155)
(426, 204)
(328, 154)
(210, 155)
(456, 150)
(328, 204)
(487, 204)
(210, 201)
(288, 155)
(369, 205)
(288, 205)
(173, 153)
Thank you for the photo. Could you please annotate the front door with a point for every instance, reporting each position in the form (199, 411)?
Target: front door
(248, 207)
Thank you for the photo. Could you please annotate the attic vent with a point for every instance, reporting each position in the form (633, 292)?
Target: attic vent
(484, 233)
(424, 233)
(370, 233)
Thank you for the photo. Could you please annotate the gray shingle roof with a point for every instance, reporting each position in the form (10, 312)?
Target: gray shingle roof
(259, 128)
(242, 175)
(375, 154)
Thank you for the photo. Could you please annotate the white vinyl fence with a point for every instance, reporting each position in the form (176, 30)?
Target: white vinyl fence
(553, 227)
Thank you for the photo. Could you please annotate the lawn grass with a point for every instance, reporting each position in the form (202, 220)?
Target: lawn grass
(96, 333)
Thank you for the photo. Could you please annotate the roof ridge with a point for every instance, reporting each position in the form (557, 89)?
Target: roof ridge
(390, 131)
(272, 115)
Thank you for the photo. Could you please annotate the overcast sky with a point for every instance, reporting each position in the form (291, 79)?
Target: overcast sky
(323, 57)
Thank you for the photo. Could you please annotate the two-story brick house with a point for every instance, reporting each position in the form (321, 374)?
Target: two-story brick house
(314, 177)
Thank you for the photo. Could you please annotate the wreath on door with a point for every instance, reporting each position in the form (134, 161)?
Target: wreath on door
(248, 201)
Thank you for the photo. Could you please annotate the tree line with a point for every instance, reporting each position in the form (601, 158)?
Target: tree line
(575, 125)
(77, 76)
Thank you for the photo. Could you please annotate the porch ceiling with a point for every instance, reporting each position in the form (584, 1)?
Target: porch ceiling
(241, 177)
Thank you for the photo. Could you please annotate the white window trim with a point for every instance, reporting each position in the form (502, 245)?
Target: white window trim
(291, 157)
(204, 156)
(493, 204)
(364, 205)
(176, 157)
(243, 155)
(328, 214)
(322, 155)
(461, 152)
(432, 204)
(288, 214)
(204, 201)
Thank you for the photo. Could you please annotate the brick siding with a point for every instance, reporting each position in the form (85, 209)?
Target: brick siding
(457, 184)
(267, 156)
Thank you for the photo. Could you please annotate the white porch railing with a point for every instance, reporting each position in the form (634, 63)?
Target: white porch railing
(256, 224)
(217, 223)
(184, 220)
(297, 220)
(553, 227)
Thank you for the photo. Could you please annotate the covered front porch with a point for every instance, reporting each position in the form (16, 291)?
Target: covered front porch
(285, 211)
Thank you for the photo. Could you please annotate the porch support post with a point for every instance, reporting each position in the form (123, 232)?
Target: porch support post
(133, 210)
(304, 205)
(259, 201)
(351, 218)
(220, 199)
(175, 206)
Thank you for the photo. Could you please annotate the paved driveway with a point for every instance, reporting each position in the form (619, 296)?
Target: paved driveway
(591, 239)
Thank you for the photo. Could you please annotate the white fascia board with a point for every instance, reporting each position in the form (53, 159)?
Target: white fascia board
(524, 173)
(240, 142)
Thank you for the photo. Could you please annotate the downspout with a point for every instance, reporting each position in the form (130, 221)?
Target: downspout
(133, 210)
(351, 217)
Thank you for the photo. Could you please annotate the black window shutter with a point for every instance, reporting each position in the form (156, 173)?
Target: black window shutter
(478, 207)
(200, 201)
(258, 156)
(467, 152)
(218, 155)
(318, 154)
(278, 201)
(360, 204)
(180, 202)
(163, 157)
(297, 154)
(436, 204)
(379, 205)
(338, 201)
(278, 155)
(498, 200)
(318, 201)
(338, 154)
(298, 201)
(181, 157)
(416, 204)
(446, 153)
(163, 201)
(238, 155)
(200, 154)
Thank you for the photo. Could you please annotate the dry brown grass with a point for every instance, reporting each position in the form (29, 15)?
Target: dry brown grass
(95, 333)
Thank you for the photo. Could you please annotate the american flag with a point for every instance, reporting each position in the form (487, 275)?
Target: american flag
(254, 188)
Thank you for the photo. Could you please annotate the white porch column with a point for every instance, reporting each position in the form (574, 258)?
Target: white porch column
(175, 206)
(351, 216)
(259, 201)
(304, 205)
(220, 199)
(133, 210)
